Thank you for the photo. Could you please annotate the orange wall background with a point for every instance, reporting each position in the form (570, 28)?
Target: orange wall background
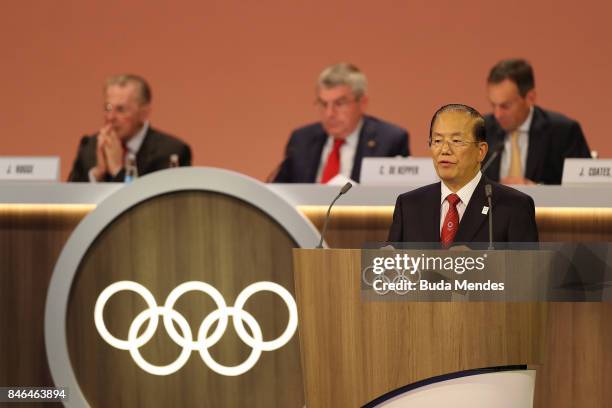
(233, 78)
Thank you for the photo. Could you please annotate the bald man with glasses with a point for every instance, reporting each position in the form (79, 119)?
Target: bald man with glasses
(455, 210)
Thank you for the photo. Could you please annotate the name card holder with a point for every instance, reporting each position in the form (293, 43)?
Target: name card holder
(587, 171)
(397, 171)
(33, 168)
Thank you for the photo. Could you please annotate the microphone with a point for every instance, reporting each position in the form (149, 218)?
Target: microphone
(343, 190)
(489, 194)
(494, 153)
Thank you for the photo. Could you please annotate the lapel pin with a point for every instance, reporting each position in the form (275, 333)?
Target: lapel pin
(485, 210)
(371, 143)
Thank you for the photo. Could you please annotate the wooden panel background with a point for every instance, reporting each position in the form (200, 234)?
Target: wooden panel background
(351, 226)
(162, 243)
(31, 239)
(32, 236)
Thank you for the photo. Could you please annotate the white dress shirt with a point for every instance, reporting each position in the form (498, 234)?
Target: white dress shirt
(347, 153)
(133, 145)
(465, 193)
(523, 141)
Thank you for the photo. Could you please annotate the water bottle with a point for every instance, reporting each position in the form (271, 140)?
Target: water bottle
(174, 161)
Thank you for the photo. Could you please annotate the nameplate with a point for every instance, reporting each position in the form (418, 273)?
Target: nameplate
(13, 168)
(587, 171)
(397, 170)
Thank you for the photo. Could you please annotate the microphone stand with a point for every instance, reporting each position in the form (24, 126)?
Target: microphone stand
(343, 190)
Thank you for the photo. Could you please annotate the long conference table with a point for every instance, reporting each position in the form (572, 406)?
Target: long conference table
(37, 219)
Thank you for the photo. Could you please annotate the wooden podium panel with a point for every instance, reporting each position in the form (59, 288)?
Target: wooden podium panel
(354, 351)
(31, 238)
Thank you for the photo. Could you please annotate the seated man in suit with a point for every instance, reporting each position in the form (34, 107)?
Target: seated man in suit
(126, 132)
(456, 209)
(318, 152)
(535, 141)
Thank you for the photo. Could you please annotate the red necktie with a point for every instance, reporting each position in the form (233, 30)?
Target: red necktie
(451, 221)
(332, 166)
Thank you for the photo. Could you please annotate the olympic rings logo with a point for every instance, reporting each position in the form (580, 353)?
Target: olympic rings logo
(185, 340)
(400, 277)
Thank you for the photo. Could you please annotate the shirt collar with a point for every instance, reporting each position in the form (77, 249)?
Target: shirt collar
(353, 137)
(465, 193)
(133, 145)
(524, 128)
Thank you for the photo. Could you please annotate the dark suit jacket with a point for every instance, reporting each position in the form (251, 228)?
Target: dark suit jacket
(553, 137)
(417, 216)
(303, 152)
(154, 154)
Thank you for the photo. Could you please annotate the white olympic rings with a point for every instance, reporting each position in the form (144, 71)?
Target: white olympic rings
(400, 275)
(203, 342)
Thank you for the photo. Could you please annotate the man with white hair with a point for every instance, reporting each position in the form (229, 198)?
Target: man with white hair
(126, 133)
(345, 135)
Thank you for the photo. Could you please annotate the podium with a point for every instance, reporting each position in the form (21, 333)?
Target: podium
(354, 351)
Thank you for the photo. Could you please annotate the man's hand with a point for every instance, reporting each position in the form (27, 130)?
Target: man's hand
(101, 166)
(516, 180)
(113, 151)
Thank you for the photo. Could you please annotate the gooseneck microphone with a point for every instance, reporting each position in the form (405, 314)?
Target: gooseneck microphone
(343, 190)
(494, 153)
(489, 194)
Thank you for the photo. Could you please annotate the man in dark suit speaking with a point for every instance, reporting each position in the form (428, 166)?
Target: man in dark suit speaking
(336, 146)
(455, 210)
(535, 141)
(126, 134)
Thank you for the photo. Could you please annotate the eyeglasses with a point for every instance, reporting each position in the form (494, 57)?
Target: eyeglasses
(455, 142)
(120, 109)
(338, 104)
(108, 108)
